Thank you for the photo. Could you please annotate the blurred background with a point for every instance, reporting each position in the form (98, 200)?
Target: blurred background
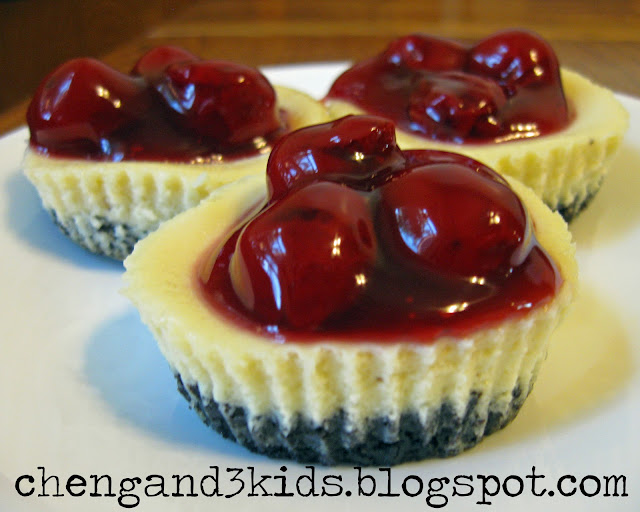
(599, 39)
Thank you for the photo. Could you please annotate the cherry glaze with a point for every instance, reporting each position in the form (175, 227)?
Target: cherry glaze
(405, 246)
(504, 88)
(173, 106)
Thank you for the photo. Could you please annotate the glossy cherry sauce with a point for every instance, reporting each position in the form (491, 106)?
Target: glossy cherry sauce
(173, 106)
(506, 87)
(360, 240)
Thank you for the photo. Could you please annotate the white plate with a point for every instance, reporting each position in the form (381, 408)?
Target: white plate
(84, 390)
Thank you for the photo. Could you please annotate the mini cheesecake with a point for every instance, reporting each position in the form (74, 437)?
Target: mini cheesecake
(373, 369)
(503, 101)
(113, 155)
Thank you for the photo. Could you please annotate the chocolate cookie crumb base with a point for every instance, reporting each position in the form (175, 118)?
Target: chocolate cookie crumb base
(572, 210)
(99, 235)
(381, 441)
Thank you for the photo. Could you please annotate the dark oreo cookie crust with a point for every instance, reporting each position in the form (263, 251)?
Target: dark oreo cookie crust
(99, 235)
(381, 442)
(572, 210)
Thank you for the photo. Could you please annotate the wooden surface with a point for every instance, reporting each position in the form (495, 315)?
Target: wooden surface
(598, 39)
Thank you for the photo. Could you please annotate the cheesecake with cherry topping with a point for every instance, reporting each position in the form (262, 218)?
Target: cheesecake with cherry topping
(365, 305)
(504, 101)
(113, 155)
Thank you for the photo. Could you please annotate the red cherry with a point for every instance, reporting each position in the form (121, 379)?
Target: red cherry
(81, 103)
(427, 53)
(306, 257)
(230, 103)
(354, 149)
(152, 64)
(456, 105)
(515, 59)
(455, 220)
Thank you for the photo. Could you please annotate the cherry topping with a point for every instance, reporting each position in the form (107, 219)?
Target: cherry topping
(354, 149)
(506, 87)
(82, 103)
(441, 244)
(456, 104)
(306, 257)
(153, 63)
(172, 107)
(487, 232)
(427, 53)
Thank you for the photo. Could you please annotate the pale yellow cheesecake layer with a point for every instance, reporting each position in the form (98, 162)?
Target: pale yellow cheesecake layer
(94, 201)
(237, 367)
(565, 168)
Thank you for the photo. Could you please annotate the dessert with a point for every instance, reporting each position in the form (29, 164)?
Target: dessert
(369, 305)
(113, 155)
(504, 101)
